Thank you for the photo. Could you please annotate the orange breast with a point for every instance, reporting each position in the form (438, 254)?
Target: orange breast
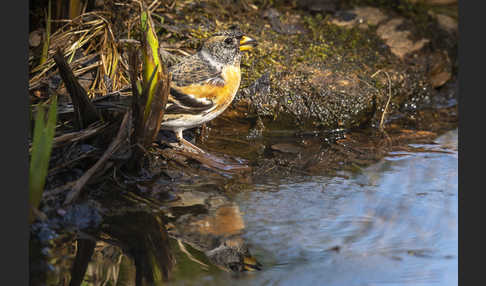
(221, 95)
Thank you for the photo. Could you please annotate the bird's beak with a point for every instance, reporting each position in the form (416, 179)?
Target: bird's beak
(251, 264)
(247, 43)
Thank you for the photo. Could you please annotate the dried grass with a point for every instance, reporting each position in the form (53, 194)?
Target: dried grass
(91, 36)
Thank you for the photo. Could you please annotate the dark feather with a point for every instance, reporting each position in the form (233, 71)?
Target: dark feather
(186, 104)
(194, 70)
(176, 109)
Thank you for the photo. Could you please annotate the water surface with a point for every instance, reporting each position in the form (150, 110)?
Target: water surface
(392, 223)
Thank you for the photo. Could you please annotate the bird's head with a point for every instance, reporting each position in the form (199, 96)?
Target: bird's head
(226, 47)
(233, 255)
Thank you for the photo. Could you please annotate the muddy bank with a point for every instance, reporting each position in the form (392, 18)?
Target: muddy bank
(339, 70)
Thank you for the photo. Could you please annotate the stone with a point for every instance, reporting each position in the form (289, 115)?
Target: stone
(435, 2)
(35, 38)
(361, 16)
(439, 71)
(447, 23)
(287, 148)
(440, 79)
(318, 5)
(398, 40)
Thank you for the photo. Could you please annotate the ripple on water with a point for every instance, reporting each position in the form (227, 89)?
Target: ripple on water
(394, 223)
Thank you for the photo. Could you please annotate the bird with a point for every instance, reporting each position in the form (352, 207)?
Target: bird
(204, 84)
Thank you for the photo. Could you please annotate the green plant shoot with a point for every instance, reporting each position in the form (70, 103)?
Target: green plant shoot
(151, 62)
(41, 152)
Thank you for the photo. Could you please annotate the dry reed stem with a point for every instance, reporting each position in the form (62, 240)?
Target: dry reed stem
(388, 101)
(92, 36)
(121, 136)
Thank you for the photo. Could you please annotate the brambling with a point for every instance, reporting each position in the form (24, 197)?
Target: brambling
(203, 85)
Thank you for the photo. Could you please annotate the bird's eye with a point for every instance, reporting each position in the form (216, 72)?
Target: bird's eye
(228, 41)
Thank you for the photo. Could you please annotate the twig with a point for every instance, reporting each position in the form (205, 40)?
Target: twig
(114, 145)
(58, 190)
(189, 255)
(62, 166)
(389, 98)
(153, 6)
(76, 136)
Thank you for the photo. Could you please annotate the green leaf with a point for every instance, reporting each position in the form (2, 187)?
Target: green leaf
(45, 47)
(151, 61)
(41, 151)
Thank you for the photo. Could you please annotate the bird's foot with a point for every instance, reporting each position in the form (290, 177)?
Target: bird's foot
(185, 145)
(216, 163)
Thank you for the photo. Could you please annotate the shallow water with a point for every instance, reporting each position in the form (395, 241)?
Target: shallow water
(393, 223)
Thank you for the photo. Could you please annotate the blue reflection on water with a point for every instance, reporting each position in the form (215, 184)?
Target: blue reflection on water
(394, 223)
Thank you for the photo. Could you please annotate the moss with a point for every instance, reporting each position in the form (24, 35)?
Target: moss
(326, 41)
(293, 60)
(199, 33)
(326, 44)
(416, 13)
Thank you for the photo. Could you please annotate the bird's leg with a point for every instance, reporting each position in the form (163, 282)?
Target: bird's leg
(184, 144)
(202, 134)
